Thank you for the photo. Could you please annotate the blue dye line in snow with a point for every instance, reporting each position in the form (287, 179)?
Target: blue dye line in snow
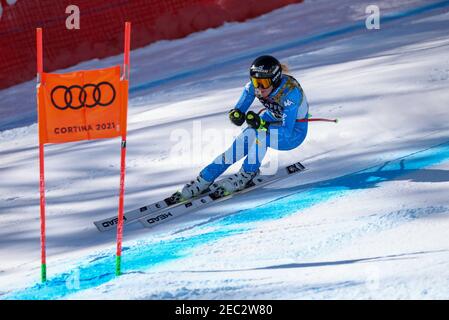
(304, 196)
(101, 270)
(360, 25)
(146, 254)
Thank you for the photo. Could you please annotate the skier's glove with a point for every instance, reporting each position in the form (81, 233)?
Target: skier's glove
(255, 121)
(237, 117)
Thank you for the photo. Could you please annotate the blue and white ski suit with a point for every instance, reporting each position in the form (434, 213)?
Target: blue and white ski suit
(283, 106)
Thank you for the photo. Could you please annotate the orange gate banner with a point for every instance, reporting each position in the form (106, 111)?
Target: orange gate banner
(82, 105)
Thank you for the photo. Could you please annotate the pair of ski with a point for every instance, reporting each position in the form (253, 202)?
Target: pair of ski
(153, 214)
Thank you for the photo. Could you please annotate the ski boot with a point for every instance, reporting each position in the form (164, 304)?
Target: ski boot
(234, 183)
(194, 188)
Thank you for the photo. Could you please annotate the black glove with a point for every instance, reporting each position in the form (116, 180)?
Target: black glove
(237, 117)
(255, 121)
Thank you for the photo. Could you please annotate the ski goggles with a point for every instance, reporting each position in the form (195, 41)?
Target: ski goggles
(263, 83)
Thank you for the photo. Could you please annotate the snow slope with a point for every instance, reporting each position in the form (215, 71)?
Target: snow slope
(368, 220)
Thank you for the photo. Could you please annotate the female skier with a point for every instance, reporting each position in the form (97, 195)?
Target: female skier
(284, 102)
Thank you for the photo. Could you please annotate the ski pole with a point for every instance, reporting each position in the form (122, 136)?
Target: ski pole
(308, 119)
(317, 119)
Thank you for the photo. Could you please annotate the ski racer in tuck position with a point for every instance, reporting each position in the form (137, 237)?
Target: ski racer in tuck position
(285, 104)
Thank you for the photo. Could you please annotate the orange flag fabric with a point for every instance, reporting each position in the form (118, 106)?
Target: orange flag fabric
(82, 105)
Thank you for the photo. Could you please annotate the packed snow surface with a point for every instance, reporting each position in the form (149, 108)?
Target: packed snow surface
(368, 219)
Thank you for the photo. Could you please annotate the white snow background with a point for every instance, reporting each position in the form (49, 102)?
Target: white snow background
(368, 220)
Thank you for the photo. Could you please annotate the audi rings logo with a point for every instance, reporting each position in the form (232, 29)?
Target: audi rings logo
(90, 95)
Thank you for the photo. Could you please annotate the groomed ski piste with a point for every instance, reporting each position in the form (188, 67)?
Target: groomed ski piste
(369, 219)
